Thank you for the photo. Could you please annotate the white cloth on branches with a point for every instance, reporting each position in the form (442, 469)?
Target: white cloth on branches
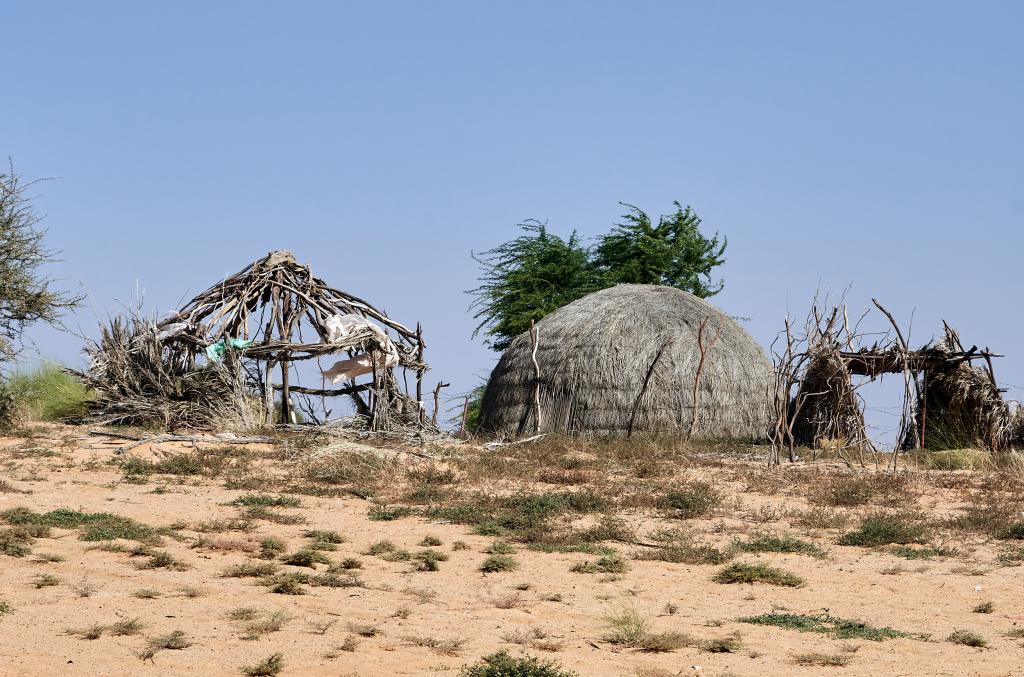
(340, 327)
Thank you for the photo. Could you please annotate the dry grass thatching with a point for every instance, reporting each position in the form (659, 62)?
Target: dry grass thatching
(137, 380)
(628, 359)
(961, 406)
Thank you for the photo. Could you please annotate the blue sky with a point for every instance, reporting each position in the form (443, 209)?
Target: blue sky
(875, 144)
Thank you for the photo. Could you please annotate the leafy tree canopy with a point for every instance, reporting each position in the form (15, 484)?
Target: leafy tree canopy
(538, 272)
(27, 294)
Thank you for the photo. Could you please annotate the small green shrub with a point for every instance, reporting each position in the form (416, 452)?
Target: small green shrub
(692, 500)
(886, 528)
(499, 563)
(967, 638)
(741, 572)
(609, 564)
(984, 608)
(503, 664)
(268, 667)
(837, 628)
(780, 543)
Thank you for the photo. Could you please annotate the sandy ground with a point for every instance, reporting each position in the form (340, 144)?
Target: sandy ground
(457, 602)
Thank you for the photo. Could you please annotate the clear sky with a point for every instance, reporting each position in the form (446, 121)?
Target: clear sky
(877, 144)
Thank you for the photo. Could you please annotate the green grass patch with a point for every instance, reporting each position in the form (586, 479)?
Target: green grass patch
(48, 393)
(784, 543)
(743, 572)
(503, 664)
(909, 552)
(837, 628)
(967, 638)
(692, 500)
(499, 563)
(887, 528)
(94, 526)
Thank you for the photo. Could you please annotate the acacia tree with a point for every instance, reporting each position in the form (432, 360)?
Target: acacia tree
(538, 272)
(673, 253)
(27, 293)
(527, 278)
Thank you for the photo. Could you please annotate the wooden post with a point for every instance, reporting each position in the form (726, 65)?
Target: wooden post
(465, 412)
(285, 394)
(419, 373)
(534, 344)
(268, 393)
(437, 401)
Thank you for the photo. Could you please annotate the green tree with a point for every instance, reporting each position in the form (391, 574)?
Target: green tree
(527, 278)
(538, 272)
(27, 294)
(673, 253)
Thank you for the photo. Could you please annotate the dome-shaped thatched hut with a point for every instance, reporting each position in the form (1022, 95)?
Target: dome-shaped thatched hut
(629, 359)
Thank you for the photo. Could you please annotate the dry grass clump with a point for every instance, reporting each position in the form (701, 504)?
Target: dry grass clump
(781, 543)
(691, 500)
(175, 640)
(268, 667)
(883, 528)
(967, 638)
(743, 572)
(629, 628)
(451, 646)
(821, 660)
(609, 564)
(856, 489)
(679, 547)
(503, 664)
(499, 563)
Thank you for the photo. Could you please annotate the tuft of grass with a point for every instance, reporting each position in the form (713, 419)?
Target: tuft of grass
(161, 559)
(45, 581)
(881, 528)
(742, 572)
(260, 512)
(692, 500)
(48, 393)
(430, 541)
(175, 640)
(146, 593)
(383, 513)
(500, 547)
(628, 627)
(908, 552)
(838, 628)
(5, 607)
(984, 608)
(609, 564)
(499, 563)
(503, 664)
(263, 623)
(99, 526)
(270, 548)
(126, 627)
(251, 570)
(967, 638)
(851, 489)
(268, 667)
(381, 547)
(266, 501)
(305, 558)
(346, 564)
(677, 546)
(821, 660)
(784, 543)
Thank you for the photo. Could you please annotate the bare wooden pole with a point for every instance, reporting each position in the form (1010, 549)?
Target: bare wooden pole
(419, 373)
(704, 349)
(643, 388)
(437, 401)
(534, 344)
(465, 413)
(285, 394)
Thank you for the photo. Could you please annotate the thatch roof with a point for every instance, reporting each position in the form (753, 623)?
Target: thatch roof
(627, 358)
